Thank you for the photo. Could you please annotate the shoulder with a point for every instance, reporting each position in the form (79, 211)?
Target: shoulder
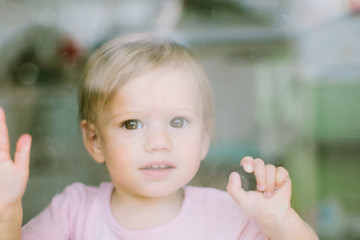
(67, 211)
(79, 195)
(80, 190)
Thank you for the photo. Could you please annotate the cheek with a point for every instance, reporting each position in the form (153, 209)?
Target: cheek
(192, 145)
(121, 159)
(120, 149)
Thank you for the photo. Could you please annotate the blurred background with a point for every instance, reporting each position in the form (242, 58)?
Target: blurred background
(285, 74)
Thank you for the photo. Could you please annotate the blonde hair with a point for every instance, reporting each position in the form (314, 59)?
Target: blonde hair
(124, 58)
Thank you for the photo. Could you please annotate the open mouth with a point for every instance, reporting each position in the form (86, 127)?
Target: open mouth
(158, 170)
(157, 167)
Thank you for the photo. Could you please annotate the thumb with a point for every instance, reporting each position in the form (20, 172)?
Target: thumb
(285, 189)
(235, 190)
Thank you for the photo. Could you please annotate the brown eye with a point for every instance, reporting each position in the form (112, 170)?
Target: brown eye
(178, 122)
(132, 124)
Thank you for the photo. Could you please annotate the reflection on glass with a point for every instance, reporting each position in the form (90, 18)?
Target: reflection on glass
(285, 77)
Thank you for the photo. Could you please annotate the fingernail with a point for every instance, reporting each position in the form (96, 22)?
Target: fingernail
(248, 168)
(261, 188)
(232, 177)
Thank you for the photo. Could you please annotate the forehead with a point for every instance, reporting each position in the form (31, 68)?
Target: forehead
(162, 88)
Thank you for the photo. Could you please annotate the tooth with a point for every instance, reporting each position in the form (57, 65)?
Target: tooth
(162, 165)
(155, 166)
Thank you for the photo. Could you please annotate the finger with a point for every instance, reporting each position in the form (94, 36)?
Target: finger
(234, 188)
(260, 175)
(270, 180)
(248, 164)
(22, 154)
(281, 176)
(4, 138)
(285, 190)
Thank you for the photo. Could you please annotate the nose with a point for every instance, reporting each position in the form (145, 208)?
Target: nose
(158, 139)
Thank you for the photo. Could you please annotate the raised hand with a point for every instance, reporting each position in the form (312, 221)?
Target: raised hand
(270, 203)
(13, 174)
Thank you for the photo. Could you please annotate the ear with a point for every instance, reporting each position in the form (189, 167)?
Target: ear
(92, 141)
(205, 144)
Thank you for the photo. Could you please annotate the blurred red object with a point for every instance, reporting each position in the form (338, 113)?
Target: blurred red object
(355, 6)
(69, 50)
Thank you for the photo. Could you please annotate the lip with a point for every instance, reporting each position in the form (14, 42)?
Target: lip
(158, 173)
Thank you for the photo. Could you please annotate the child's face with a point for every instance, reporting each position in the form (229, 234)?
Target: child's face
(154, 137)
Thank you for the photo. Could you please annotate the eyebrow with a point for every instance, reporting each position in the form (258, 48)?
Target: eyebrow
(122, 114)
(139, 112)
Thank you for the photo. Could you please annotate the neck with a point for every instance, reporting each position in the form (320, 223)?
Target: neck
(138, 212)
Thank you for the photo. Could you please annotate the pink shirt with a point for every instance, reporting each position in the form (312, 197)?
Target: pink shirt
(83, 213)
